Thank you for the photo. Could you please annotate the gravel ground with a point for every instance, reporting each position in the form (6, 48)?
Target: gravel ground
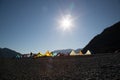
(95, 67)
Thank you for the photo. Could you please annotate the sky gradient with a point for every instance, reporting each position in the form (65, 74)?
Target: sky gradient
(32, 25)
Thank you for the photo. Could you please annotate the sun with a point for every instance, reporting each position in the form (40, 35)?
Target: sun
(66, 22)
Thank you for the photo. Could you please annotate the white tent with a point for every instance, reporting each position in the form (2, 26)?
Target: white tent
(73, 53)
(88, 52)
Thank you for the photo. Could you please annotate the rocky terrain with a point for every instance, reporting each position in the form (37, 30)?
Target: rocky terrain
(94, 67)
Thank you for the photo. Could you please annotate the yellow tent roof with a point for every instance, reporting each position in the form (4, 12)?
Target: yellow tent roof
(80, 53)
(39, 54)
(48, 53)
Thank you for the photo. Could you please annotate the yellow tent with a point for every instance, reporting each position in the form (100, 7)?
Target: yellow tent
(80, 53)
(38, 55)
(48, 53)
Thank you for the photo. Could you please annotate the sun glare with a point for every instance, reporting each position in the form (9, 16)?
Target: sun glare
(66, 22)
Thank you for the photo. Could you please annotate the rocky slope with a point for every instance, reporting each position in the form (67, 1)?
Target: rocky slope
(8, 53)
(106, 42)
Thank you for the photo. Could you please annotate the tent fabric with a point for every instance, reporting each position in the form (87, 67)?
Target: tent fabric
(80, 53)
(48, 53)
(54, 54)
(73, 53)
(88, 52)
(18, 56)
(38, 55)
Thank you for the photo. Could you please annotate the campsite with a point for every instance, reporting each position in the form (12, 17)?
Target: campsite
(59, 39)
(90, 67)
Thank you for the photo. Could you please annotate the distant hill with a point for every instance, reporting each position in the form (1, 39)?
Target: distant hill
(8, 53)
(106, 42)
(78, 50)
(62, 51)
(65, 50)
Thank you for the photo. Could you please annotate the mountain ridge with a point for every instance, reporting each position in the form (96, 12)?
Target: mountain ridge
(105, 42)
(8, 53)
(66, 50)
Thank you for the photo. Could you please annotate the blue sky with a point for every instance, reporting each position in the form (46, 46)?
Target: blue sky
(32, 25)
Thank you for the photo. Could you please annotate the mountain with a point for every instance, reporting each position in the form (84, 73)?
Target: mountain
(78, 50)
(8, 53)
(65, 51)
(106, 42)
